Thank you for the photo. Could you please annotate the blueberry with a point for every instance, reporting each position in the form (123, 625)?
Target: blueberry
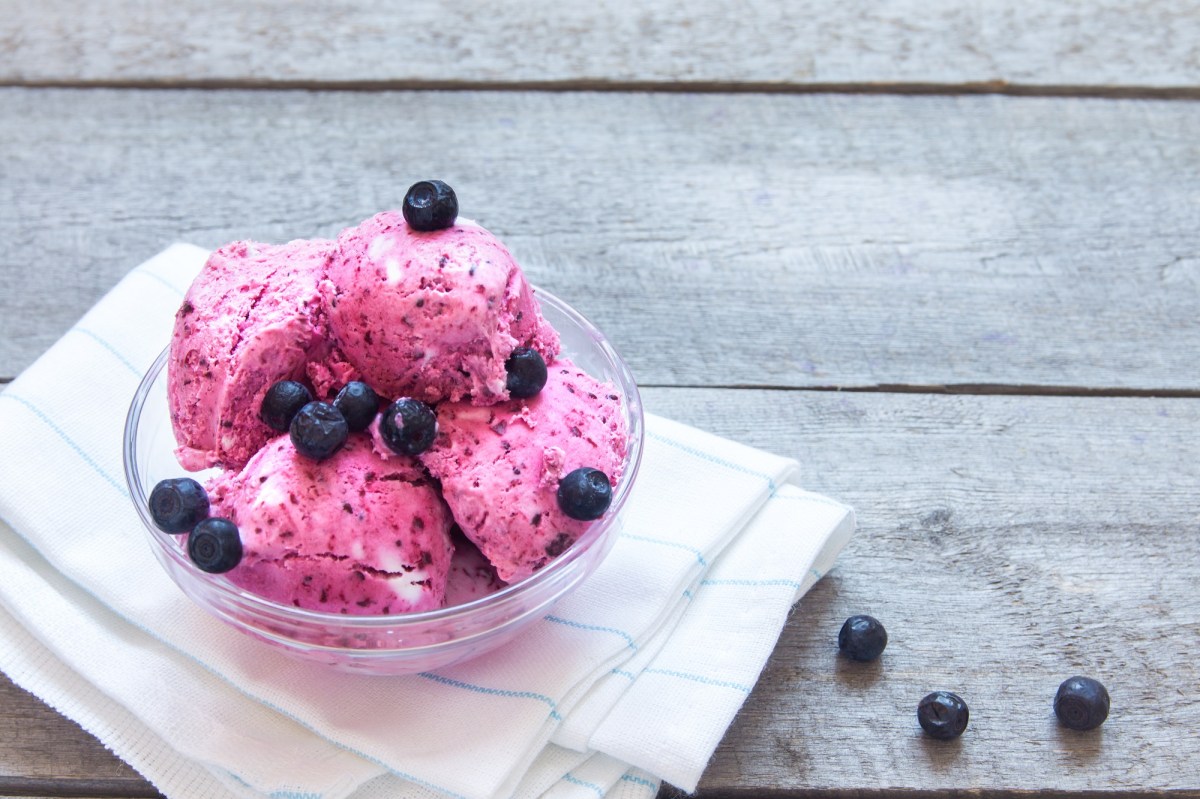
(584, 494)
(862, 638)
(1081, 703)
(526, 373)
(177, 504)
(408, 426)
(359, 403)
(319, 430)
(214, 546)
(282, 402)
(430, 205)
(943, 715)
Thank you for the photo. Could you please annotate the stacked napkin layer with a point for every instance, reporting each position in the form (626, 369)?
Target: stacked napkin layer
(631, 680)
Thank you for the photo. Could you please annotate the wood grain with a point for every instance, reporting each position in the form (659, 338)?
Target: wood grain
(40, 751)
(801, 240)
(762, 43)
(1006, 543)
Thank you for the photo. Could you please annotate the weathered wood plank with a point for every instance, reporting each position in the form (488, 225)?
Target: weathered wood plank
(40, 750)
(1006, 543)
(766, 43)
(803, 240)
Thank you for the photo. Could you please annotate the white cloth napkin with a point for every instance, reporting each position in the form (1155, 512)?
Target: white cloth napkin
(631, 680)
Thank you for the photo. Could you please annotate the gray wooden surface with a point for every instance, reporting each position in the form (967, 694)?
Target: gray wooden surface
(972, 317)
(804, 241)
(1064, 45)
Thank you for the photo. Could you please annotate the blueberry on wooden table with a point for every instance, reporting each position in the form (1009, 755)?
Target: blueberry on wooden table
(215, 546)
(282, 402)
(526, 373)
(862, 638)
(943, 715)
(584, 494)
(1081, 703)
(178, 504)
(408, 426)
(358, 403)
(319, 430)
(430, 205)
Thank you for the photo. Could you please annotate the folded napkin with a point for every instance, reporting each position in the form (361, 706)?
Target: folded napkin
(632, 679)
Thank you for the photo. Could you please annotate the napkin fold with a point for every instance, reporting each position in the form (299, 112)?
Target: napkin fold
(632, 679)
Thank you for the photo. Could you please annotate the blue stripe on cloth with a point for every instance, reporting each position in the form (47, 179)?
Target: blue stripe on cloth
(480, 689)
(639, 781)
(700, 678)
(594, 628)
(280, 793)
(629, 675)
(159, 278)
(663, 542)
(817, 499)
(737, 467)
(115, 352)
(70, 442)
(591, 786)
(752, 583)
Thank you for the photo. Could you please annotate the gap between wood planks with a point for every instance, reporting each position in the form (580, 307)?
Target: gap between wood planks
(81, 789)
(976, 389)
(997, 87)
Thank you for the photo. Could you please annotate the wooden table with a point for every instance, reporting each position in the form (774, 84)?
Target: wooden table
(946, 255)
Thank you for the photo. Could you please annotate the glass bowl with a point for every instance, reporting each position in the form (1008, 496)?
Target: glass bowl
(398, 643)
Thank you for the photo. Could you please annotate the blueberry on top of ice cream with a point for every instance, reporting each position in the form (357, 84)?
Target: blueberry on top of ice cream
(318, 430)
(359, 403)
(584, 494)
(178, 504)
(430, 205)
(408, 426)
(214, 546)
(526, 373)
(282, 402)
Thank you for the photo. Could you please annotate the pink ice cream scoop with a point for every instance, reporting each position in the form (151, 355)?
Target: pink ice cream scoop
(431, 315)
(351, 534)
(252, 317)
(499, 466)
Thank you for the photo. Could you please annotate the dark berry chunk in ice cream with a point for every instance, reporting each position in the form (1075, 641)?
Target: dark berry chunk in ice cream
(584, 494)
(358, 403)
(943, 715)
(430, 205)
(526, 373)
(862, 638)
(408, 426)
(178, 504)
(319, 430)
(1081, 703)
(282, 402)
(214, 546)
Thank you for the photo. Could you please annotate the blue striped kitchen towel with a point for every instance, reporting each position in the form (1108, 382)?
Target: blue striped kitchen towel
(631, 680)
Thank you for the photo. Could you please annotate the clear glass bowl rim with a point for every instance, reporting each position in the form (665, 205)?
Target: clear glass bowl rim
(509, 595)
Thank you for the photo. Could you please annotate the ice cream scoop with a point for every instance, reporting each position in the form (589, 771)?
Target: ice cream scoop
(500, 466)
(252, 318)
(350, 534)
(431, 315)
